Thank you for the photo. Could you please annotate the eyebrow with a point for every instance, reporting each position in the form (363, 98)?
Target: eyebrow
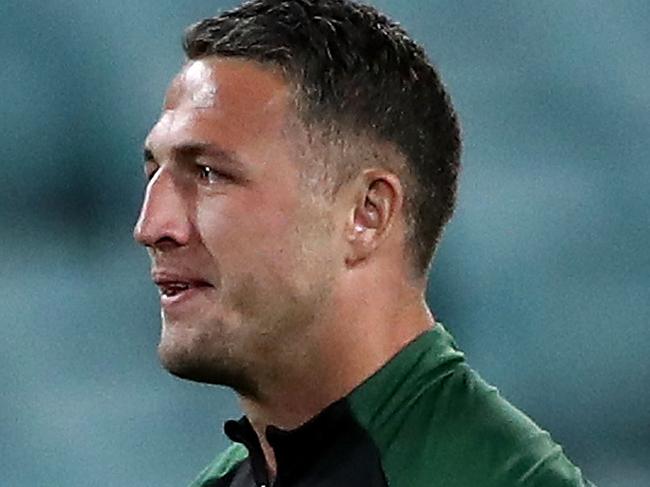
(196, 149)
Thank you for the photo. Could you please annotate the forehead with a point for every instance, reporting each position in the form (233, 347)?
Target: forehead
(200, 81)
(225, 98)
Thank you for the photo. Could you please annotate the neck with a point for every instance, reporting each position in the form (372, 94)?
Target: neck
(350, 343)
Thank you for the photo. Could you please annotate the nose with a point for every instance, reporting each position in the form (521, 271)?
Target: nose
(163, 220)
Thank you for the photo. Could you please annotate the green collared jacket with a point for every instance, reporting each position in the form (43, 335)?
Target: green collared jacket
(425, 419)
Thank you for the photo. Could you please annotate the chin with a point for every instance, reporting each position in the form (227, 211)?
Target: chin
(208, 368)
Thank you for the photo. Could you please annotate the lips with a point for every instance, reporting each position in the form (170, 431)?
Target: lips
(174, 286)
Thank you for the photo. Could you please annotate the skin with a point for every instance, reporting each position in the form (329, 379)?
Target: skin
(300, 298)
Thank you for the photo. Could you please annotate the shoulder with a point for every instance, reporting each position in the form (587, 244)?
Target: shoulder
(461, 431)
(223, 464)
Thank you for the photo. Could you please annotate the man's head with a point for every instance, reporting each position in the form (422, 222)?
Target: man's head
(303, 143)
(358, 76)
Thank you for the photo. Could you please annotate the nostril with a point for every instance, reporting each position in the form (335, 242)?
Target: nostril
(165, 243)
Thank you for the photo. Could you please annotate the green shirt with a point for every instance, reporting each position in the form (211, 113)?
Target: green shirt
(424, 419)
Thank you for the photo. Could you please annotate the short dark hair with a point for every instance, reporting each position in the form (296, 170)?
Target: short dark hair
(358, 72)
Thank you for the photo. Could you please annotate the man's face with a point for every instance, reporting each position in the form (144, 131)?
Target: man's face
(243, 257)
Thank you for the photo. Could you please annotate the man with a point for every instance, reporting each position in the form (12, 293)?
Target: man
(300, 177)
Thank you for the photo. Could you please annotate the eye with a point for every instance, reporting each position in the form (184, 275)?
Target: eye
(210, 175)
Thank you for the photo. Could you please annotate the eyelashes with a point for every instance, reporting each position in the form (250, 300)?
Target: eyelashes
(210, 175)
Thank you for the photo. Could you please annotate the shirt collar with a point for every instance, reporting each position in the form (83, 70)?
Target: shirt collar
(294, 449)
(375, 402)
(382, 397)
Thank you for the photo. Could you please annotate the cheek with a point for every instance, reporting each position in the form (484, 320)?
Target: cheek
(239, 236)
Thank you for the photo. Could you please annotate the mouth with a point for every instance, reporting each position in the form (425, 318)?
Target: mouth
(177, 289)
(174, 288)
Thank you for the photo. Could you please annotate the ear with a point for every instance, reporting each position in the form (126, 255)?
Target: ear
(377, 205)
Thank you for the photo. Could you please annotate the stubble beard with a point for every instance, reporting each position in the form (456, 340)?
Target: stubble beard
(250, 352)
(265, 325)
(204, 357)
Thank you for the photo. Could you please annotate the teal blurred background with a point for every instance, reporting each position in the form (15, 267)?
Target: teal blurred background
(543, 277)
